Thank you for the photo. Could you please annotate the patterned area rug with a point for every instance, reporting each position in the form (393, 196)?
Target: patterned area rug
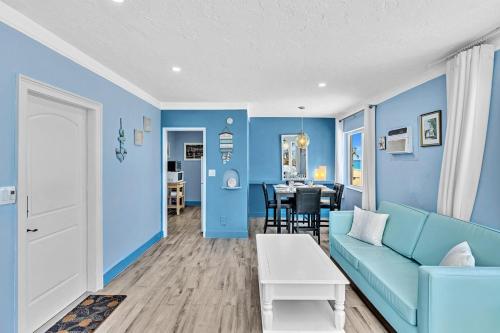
(88, 315)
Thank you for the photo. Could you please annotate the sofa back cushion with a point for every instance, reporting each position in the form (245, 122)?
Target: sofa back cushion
(403, 227)
(441, 233)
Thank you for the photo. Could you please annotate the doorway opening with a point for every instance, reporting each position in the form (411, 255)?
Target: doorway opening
(183, 168)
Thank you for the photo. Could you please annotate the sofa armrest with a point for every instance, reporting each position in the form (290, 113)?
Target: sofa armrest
(458, 299)
(340, 222)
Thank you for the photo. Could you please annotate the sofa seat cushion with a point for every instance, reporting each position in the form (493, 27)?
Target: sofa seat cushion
(354, 250)
(396, 282)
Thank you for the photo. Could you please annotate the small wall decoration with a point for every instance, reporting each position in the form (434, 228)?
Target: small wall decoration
(193, 151)
(226, 141)
(431, 129)
(146, 124)
(381, 143)
(121, 152)
(138, 137)
(226, 145)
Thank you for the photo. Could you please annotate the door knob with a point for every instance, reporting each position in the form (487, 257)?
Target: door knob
(31, 230)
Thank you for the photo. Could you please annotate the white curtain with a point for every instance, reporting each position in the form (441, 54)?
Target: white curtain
(339, 152)
(468, 81)
(369, 200)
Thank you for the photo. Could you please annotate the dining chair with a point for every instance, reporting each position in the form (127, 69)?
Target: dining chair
(272, 204)
(307, 203)
(332, 203)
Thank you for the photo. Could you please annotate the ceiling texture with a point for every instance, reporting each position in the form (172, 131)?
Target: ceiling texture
(270, 54)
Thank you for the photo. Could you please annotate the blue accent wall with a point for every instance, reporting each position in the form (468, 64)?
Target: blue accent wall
(265, 152)
(226, 210)
(192, 169)
(131, 190)
(411, 179)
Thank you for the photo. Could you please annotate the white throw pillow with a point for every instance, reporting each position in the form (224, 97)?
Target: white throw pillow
(368, 226)
(460, 256)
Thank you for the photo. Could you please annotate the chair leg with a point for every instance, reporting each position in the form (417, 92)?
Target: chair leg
(318, 228)
(265, 221)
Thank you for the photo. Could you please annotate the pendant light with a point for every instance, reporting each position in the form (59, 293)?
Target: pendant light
(302, 138)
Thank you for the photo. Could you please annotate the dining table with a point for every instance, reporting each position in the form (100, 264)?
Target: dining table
(283, 191)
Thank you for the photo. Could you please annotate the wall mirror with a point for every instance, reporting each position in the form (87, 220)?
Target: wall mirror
(293, 159)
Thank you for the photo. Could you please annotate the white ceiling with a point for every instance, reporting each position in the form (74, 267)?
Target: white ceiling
(271, 54)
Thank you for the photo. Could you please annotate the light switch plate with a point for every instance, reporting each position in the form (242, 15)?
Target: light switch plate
(7, 195)
(211, 173)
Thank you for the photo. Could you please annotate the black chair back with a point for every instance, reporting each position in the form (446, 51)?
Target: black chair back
(266, 194)
(308, 200)
(339, 190)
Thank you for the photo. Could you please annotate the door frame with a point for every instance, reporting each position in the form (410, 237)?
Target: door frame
(164, 175)
(27, 87)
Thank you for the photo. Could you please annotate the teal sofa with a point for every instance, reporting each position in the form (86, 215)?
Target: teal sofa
(402, 278)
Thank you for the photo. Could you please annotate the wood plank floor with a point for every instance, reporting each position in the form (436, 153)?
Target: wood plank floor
(185, 283)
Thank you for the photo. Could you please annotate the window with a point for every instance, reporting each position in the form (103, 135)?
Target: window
(355, 158)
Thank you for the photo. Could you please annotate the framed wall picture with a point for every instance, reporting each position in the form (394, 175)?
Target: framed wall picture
(146, 124)
(138, 137)
(431, 129)
(381, 143)
(193, 151)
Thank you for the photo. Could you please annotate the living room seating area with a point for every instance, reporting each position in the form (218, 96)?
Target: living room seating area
(403, 280)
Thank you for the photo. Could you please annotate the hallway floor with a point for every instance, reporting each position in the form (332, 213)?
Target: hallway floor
(185, 283)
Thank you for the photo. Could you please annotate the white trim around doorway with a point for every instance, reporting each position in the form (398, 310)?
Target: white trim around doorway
(164, 175)
(27, 87)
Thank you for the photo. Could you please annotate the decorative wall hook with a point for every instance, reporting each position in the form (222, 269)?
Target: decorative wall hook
(121, 152)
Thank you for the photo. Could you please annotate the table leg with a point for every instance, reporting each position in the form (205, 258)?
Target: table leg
(278, 212)
(267, 308)
(338, 313)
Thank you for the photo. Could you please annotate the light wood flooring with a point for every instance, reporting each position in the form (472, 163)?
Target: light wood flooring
(185, 283)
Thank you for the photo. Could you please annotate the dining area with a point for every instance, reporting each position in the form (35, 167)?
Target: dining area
(298, 207)
(302, 200)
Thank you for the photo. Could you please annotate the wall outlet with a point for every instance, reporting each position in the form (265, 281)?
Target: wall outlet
(211, 173)
(223, 220)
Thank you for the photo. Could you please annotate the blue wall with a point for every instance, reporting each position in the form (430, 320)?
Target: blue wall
(131, 190)
(265, 152)
(226, 209)
(192, 169)
(412, 179)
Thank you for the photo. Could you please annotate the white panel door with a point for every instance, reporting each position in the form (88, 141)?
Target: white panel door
(56, 253)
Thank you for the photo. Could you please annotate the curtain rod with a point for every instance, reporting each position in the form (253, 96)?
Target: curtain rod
(470, 45)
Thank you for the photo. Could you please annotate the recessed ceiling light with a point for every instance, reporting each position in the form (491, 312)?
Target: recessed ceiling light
(176, 69)
(118, 1)
(322, 84)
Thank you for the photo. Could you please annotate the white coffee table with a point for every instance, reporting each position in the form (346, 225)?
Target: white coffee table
(296, 280)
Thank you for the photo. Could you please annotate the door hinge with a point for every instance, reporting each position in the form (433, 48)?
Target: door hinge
(27, 206)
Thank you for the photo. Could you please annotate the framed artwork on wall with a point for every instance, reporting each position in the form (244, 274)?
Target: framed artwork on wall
(381, 143)
(146, 124)
(193, 151)
(138, 137)
(431, 129)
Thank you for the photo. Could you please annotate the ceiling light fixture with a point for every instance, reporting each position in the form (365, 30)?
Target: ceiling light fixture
(302, 137)
(176, 69)
(118, 1)
(322, 84)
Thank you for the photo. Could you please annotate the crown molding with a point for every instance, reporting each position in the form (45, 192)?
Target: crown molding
(30, 28)
(204, 106)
